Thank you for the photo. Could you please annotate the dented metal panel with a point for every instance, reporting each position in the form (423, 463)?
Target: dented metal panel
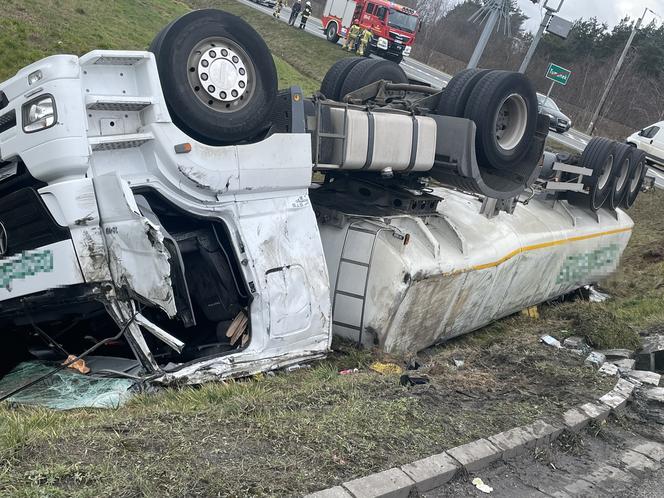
(460, 270)
(137, 257)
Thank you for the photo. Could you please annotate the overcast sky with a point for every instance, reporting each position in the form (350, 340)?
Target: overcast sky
(609, 11)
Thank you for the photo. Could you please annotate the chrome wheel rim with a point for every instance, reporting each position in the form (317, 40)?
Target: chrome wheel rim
(221, 74)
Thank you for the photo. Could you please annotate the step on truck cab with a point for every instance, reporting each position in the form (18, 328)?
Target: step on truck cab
(159, 206)
(394, 27)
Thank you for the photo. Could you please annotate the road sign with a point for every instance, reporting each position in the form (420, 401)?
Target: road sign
(559, 27)
(558, 74)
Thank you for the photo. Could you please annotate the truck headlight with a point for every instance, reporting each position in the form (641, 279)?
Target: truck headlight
(406, 50)
(382, 43)
(39, 114)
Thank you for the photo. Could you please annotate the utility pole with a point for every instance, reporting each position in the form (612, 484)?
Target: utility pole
(614, 74)
(550, 11)
(496, 10)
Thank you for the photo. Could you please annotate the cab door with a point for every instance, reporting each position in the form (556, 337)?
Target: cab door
(657, 145)
(647, 138)
(367, 19)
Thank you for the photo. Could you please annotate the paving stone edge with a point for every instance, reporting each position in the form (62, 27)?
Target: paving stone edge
(434, 471)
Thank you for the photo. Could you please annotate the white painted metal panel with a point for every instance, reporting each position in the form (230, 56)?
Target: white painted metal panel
(461, 270)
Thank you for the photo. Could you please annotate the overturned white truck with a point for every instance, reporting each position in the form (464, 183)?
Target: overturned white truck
(160, 205)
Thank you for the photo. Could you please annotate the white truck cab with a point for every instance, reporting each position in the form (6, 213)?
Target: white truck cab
(651, 141)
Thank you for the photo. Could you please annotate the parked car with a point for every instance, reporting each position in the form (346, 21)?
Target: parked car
(557, 120)
(651, 141)
(266, 3)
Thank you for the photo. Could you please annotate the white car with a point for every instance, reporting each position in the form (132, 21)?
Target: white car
(651, 141)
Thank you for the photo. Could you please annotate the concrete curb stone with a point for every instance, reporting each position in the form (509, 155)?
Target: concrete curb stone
(614, 400)
(476, 455)
(596, 411)
(432, 472)
(575, 419)
(392, 483)
(335, 492)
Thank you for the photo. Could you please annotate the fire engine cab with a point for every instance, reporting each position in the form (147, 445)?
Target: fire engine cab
(394, 26)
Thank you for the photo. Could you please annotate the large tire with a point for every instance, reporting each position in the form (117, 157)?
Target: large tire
(332, 32)
(503, 106)
(455, 95)
(621, 174)
(369, 71)
(195, 55)
(600, 156)
(639, 168)
(336, 75)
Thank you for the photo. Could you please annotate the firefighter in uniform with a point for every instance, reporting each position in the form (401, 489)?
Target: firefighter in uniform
(277, 9)
(305, 14)
(295, 10)
(351, 38)
(365, 38)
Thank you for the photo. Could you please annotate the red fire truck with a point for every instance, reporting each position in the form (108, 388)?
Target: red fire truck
(394, 26)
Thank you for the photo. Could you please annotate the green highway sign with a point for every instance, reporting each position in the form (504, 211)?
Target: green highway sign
(558, 74)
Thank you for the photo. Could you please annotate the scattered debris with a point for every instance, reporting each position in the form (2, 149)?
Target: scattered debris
(624, 365)
(550, 341)
(386, 368)
(479, 484)
(595, 359)
(595, 296)
(651, 356)
(293, 368)
(575, 342)
(531, 312)
(609, 369)
(78, 365)
(349, 371)
(617, 354)
(238, 329)
(458, 364)
(413, 365)
(645, 377)
(411, 380)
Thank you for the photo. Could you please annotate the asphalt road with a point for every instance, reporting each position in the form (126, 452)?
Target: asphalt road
(417, 70)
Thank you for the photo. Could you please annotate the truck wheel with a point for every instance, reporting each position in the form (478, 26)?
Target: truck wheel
(503, 106)
(636, 176)
(455, 95)
(336, 75)
(332, 32)
(600, 156)
(622, 171)
(369, 71)
(217, 75)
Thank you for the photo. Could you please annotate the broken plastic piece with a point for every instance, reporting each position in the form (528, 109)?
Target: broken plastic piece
(595, 359)
(386, 368)
(78, 365)
(349, 371)
(411, 380)
(550, 341)
(479, 484)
